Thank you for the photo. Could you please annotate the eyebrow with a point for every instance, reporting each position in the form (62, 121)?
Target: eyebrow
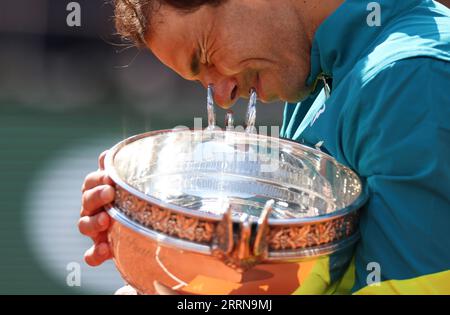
(195, 63)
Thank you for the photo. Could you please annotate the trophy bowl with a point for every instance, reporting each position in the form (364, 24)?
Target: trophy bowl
(226, 212)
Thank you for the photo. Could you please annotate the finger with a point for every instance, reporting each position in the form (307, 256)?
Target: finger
(95, 179)
(162, 289)
(126, 290)
(93, 225)
(101, 238)
(97, 254)
(93, 200)
(101, 160)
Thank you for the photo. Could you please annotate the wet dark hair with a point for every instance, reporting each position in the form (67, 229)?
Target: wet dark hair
(133, 17)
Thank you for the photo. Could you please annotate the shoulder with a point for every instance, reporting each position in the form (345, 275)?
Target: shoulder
(415, 85)
(422, 33)
(401, 112)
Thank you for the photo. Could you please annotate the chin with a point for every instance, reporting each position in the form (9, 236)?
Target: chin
(300, 95)
(270, 100)
(293, 95)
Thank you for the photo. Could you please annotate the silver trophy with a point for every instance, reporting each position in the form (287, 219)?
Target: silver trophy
(224, 211)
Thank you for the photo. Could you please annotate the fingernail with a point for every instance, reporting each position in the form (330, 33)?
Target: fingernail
(102, 249)
(102, 219)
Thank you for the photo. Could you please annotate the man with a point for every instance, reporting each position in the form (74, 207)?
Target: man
(387, 64)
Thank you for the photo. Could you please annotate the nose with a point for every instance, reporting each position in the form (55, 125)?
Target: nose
(225, 90)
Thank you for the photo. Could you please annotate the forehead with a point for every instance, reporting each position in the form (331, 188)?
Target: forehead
(175, 37)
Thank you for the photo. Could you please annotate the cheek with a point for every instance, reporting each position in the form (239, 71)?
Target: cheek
(226, 64)
(279, 85)
(232, 59)
(274, 86)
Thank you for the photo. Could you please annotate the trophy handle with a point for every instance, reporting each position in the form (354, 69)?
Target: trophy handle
(233, 241)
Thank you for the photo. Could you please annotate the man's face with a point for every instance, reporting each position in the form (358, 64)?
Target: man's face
(236, 46)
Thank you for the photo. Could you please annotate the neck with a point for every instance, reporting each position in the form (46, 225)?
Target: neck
(312, 13)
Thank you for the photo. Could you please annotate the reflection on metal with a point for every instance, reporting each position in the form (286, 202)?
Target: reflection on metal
(223, 243)
(229, 120)
(210, 108)
(251, 112)
(181, 283)
(261, 247)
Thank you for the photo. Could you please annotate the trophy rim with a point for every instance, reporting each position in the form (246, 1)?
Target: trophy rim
(343, 222)
(357, 203)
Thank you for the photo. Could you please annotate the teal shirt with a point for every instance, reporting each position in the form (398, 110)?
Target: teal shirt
(388, 118)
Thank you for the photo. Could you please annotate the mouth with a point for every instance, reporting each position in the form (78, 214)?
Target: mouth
(257, 85)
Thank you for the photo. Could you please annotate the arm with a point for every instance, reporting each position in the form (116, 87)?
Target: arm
(400, 143)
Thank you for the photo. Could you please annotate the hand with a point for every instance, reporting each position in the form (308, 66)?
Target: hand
(98, 191)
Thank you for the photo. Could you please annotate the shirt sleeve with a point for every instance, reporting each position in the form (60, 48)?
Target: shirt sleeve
(398, 140)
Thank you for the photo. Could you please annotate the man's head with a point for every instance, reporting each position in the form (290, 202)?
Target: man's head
(233, 44)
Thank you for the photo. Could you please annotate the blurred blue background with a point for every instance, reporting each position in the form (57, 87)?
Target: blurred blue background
(66, 95)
